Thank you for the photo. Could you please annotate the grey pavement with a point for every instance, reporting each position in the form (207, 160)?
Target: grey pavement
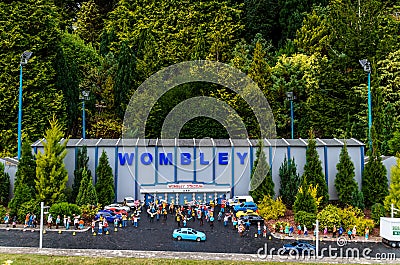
(184, 255)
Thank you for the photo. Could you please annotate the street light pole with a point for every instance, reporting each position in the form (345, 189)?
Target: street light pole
(24, 60)
(367, 68)
(291, 97)
(84, 96)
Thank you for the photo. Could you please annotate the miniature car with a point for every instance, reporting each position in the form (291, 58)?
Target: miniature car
(245, 206)
(109, 215)
(188, 234)
(299, 247)
(117, 207)
(118, 211)
(244, 213)
(252, 218)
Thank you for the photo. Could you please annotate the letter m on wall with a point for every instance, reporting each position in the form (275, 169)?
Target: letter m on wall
(123, 158)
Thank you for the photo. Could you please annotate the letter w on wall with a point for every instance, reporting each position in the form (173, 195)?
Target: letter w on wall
(123, 158)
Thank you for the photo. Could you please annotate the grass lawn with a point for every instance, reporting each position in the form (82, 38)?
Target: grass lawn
(16, 259)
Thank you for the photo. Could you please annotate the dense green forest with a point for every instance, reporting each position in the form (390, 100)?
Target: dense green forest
(109, 47)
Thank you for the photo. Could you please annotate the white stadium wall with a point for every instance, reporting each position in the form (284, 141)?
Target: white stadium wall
(201, 169)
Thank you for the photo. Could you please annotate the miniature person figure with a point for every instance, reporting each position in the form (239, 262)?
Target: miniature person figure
(305, 231)
(299, 230)
(115, 222)
(366, 233)
(291, 230)
(135, 221)
(281, 229)
(184, 221)
(340, 231)
(349, 232)
(49, 221)
(259, 228)
(82, 223)
(334, 231)
(93, 225)
(211, 221)
(58, 221)
(273, 228)
(265, 231)
(354, 232)
(241, 229)
(100, 228)
(6, 219)
(105, 225)
(287, 229)
(325, 232)
(226, 219)
(68, 223)
(14, 223)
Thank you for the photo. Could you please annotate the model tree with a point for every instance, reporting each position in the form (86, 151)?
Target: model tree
(374, 180)
(290, 181)
(82, 164)
(261, 183)
(51, 175)
(4, 186)
(24, 185)
(394, 189)
(87, 193)
(105, 181)
(345, 183)
(304, 200)
(313, 170)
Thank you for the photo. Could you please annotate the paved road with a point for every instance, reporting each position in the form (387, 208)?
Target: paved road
(157, 236)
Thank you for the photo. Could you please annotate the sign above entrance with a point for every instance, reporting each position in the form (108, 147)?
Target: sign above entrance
(185, 186)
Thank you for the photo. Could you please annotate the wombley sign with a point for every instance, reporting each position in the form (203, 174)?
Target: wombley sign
(184, 158)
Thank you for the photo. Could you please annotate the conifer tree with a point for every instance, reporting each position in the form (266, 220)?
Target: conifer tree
(304, 201)
(105, 181)
(345, 183)
(82, 164)
(4, 186)
(290, 181)
(394, 189)
(87, 193)
(261, 183)
(24, 185)
(374, 180)
(313, 173)
(51, 175)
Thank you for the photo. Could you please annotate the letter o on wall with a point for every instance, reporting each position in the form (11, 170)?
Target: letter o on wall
(146, 158)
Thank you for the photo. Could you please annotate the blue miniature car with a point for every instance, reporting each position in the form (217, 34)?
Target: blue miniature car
(299, 247)
(188, 234)
(109, 215)
(244, 206)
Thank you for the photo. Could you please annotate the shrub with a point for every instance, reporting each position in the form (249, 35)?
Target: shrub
(362, 223)
(305, 218)
(31, 206)
(89, 211)
(271, 209)
(349, 216)
(64, 208)
(377, 211)
(3, 212)
(329, 217)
